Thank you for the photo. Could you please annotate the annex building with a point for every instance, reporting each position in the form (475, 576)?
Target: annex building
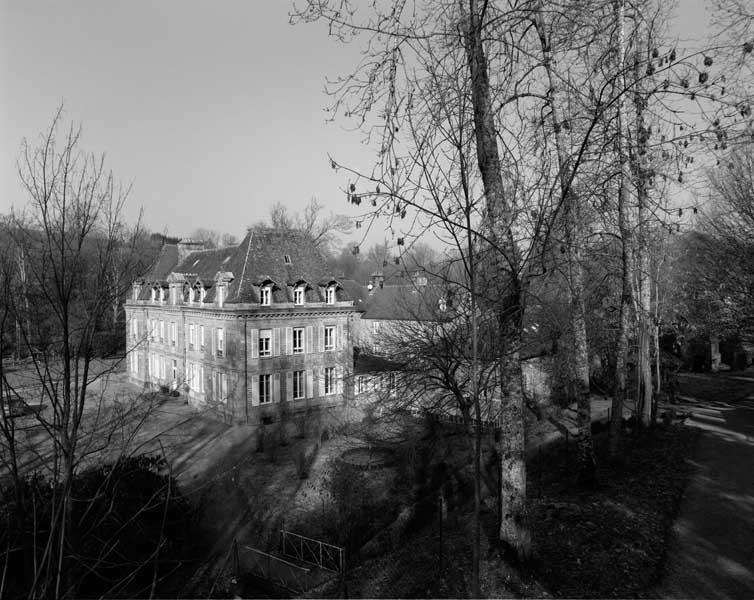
(246, 330)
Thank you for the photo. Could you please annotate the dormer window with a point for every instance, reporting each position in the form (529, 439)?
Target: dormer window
(330, 295)
(162, 295)
(154, 294)
(443, 304)
(287, 259)
(220, 295)
(191, 295)
(265, 295)
(298, 295)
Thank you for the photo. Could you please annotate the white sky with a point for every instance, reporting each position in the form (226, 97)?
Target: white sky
(213, 109)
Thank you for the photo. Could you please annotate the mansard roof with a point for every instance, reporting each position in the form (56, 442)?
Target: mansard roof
(284, 257)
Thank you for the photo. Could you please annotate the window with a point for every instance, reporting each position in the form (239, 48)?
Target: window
(162, 332)
(265, 393)
(134, 328)
(173, 333)
(154, 295)
(220, 387)
(329, 380)
(220, 295)
(220, 342)
(265, 296)
(298, 295)
(299, 384)
(361, 384)
(175, 371)
(375, 326)
(287, 259)
(201, 337)
(298, 340)
(265, 342)
(192, 336)
(162, 295)
(191, 295)
(329, 338)
(331, 295)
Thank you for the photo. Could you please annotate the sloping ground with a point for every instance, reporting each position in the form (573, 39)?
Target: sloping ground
(712, 552)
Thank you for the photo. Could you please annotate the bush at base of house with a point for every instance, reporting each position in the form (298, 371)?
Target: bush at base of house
(129, 527)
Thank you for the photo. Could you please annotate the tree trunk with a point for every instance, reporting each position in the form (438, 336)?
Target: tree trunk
(579, 350)
(624, 225)
(514, 526)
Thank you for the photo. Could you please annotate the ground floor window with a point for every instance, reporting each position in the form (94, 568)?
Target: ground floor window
(329, 380)
(265, 389)
(361, 384)
(220, 385)
(299, 384)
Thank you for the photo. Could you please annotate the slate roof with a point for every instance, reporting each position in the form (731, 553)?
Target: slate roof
(259, 259)
(405, 302)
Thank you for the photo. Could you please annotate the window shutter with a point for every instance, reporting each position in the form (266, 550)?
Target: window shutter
(255, 390)
(276, 342)
(340, 343)
(186, 336)
(339, 379)
(321, 338)
(309, 339)
(289, 386)
(224, 387)
(320, 382)
(201, 378)
(310, 384)
(214, 342)
(254, 333)
(288, 340)
(276, 387)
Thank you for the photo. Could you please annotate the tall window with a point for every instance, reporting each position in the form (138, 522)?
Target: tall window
(331, 295)
(162, 332)
(265, 389)
(265, 295)
(265, 342)
(220, 387)
(375, 326)
(329, 380)
(134, 328)
(201, 337)
(299, 384)
(298, 340)
(329, 338)
(192, 336)
(220, 342)
(298, 295)
(173, 333)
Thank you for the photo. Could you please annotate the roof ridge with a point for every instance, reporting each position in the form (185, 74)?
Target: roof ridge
(245, 262)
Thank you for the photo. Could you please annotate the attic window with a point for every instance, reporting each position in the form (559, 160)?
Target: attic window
(265, 295)
(298, 295)
(196, 262)
(330, 296)
(226, 259)
(287, 259)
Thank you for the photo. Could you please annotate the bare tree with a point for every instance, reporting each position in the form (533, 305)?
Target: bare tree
(323, 228)
(70, 259)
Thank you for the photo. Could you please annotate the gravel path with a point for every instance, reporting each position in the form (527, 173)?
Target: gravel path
(712, 553)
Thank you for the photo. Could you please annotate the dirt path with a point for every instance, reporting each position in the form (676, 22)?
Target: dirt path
(712, 553)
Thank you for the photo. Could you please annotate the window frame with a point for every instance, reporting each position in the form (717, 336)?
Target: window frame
(264, 350)
(265, 295)
(220, 333)
(329, 387)
(299, 295)
(329, 337)
(265, 388)
(299, 385)
(302, 340)
(330, 295)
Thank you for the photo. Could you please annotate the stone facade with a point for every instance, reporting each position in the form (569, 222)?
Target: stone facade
(251, 331)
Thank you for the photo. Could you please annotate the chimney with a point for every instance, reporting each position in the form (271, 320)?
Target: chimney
(187, 246)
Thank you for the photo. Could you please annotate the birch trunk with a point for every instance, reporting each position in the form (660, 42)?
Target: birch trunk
(626, 235)
(579, 350)
(514, 522)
